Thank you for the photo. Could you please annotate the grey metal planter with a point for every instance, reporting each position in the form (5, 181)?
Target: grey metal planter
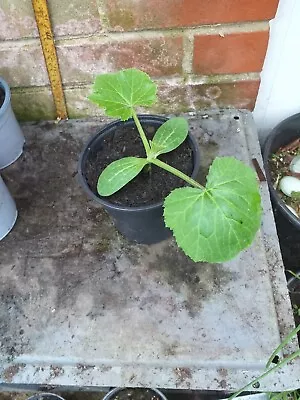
(8, 210)
(11, 137)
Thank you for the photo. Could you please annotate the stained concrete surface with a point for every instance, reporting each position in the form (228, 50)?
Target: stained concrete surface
(81, 306)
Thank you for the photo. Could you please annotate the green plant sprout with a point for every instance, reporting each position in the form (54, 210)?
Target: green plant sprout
(212, 223)
(279, 365)
(287, 395)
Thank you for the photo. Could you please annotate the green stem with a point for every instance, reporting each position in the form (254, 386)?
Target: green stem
(278, 366)
(177, 173)
(141, 132)
(283, 344)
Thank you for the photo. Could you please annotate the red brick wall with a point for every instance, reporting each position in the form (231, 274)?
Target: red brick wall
(217, 46)
(202, 53)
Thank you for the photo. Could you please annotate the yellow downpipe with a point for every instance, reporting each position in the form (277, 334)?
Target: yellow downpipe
(46, 36)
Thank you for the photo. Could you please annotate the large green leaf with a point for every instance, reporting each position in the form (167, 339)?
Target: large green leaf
(118, 174)
(119, 92)
(215, 224)
(169, 136)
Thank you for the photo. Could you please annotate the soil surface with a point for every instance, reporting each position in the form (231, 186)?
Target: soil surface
(289, 236)
(136, 394)
(148, 187)
(2, 97)
(279, 163)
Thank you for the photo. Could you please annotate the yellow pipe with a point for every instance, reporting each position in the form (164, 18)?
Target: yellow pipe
(46, 36)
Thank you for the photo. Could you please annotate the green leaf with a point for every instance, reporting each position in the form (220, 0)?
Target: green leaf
(118, 174)
(169, 136)
(215, 224)
(119, 92)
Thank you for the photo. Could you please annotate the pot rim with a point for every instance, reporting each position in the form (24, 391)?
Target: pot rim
(117, 390)
(276, 131)
(7, 96)
(44, 394)
(293, 279)
(108, 204)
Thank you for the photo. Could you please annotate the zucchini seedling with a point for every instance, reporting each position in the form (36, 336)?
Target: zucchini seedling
(211, 223)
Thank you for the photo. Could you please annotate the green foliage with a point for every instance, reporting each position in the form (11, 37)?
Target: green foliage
(118, 93)
(282, 362)
(216, 223)
(212, 223)
(169, 136)
(289, 395)
(118, 174)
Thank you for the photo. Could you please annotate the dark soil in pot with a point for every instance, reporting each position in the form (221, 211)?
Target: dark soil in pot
(280, 147)
(136, 394)
(137, 209)
(148, 187)
(2, 96)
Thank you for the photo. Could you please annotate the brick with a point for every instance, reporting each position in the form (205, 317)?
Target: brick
(33, 104)
(158, 57)
(141, 14)
(232, 54)
(23, 65)
(76, 17)
(241, 94)
(171, 99)
(17, 20)
(78, 105)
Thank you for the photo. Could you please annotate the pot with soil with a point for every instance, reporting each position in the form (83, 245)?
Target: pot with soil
(142, 169)
(282, 165)
(8, 211)
(134, 394)
(11, 137)
(137, 208)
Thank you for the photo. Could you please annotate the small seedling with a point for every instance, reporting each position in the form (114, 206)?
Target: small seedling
(212, 223)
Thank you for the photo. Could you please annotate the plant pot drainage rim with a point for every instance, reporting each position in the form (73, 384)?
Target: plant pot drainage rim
(45, 396)
(107, 130)
(114, 391)
(267, 151)
(294, 282)
(10, 229)
(7, 96)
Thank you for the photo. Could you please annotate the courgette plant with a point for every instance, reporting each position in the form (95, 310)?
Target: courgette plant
(212, 223)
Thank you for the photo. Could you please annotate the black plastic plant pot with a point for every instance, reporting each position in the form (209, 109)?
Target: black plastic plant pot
(284, 133)
(128, 393)
(142, 224)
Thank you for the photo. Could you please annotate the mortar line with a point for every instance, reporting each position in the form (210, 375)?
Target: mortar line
(103, 15)
(188, 51)
(171, 81)
(217, 29)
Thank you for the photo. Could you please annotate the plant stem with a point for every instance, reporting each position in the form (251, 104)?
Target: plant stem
(160, 163)
(278, 366)
(283, 344)
(141, 132)
(177, 173)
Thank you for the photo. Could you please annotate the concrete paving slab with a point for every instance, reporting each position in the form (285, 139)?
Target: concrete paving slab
(82, 307)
